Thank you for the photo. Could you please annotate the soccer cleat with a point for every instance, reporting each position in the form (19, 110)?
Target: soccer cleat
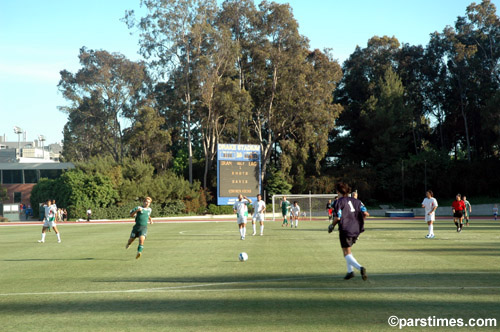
(330, 228)
(363, 273)
(459, 229)
(58, 241)
(242, 238)
(127, 246)
(254, 234)
(41, 241)
(349, 275)
(428, 236)
(139, 254)
(432, 236)
(261, 234)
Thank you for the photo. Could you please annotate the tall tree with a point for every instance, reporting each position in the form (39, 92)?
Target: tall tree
(107, 89)
(166, 41)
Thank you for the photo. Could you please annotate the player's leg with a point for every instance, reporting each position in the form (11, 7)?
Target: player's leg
(57, 233)
(254, 226)
(455, 220)
(261, 227)
(44, 230)
(350, 260)
(461, 223)
(141, 246)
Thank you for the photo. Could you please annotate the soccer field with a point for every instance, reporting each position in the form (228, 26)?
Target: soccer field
(189, 277)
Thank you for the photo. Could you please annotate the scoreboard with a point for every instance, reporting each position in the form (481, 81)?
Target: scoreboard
(238, 172)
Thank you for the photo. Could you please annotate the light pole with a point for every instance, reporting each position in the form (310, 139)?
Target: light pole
(18, 131)
(41, 138)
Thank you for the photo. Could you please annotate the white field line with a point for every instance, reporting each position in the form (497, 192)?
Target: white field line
(185, 288)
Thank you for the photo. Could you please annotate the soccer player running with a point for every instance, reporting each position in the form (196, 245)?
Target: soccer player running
(468, 210)
(49, 221)
(285, 206)
(458, 207)
(142, 216)
(240, 207)
(430, 205)
(295, 214)
(258, 214)
(349, 214)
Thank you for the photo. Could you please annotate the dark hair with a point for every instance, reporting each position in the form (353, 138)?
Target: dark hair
(458, 195)
(343, 188)
(295, 202)
(430, 192)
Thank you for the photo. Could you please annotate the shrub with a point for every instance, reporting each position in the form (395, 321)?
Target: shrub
(220, 209)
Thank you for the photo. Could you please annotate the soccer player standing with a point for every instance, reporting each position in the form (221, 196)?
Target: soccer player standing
(430, 205)
(285, 206)
(295, 214)
(142, 216)
(349, 214)
(468, 210)
(49, 221)
(241, 209)
(258, 214)
(458, 207)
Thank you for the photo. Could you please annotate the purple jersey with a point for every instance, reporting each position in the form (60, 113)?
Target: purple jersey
(350, 212)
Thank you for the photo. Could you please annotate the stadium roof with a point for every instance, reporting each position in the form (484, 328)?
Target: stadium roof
(44, 166)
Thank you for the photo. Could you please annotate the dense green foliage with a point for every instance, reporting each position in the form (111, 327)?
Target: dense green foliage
(111, 190)
(393, 120)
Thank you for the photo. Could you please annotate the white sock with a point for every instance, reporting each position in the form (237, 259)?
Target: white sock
(254, 228)
(58, 236)
(241, 231)
(261, 229)
(244, 231)
(351, 260)
(43, 236)
(297, 223)
(349, 268)
(431, 229)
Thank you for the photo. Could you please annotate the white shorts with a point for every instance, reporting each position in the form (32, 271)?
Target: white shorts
(258, 217)
(431, 217)
(50, 224)
(242, 220)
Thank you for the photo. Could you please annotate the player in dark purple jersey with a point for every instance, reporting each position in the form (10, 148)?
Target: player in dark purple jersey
(349, 213)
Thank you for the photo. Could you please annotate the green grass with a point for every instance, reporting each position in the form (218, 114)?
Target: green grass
(190, 279)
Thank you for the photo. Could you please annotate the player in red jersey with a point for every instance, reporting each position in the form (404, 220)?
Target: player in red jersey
(458, 208)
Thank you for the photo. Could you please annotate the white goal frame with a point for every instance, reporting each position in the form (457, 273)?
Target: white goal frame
(310, 196)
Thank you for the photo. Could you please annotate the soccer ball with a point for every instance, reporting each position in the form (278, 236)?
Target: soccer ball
(243, 257)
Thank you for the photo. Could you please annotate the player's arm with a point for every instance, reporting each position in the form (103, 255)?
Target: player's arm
(150, 220)
(364, 211)
(134, 212)
(248, 199)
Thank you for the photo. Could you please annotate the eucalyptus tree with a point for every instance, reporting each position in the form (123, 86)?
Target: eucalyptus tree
(104, 93)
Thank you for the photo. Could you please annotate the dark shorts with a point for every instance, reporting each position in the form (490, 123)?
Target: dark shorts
(138, 231)
(347, 241)
(458, 214)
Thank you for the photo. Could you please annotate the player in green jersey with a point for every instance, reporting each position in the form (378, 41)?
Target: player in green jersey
(142, 216)
(285, 206)
(468, 210)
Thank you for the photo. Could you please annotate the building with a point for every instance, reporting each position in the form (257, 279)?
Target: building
(24, 163)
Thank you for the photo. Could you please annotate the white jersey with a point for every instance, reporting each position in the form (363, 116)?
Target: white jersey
(241, 208)
(258, 207)
(295, 210)
(429, 204)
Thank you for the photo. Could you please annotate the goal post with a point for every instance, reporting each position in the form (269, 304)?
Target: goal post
(313, 205)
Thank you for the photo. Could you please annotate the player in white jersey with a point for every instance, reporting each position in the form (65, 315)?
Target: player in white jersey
(241, 209)
(49, 221)
(295, 212)
(258, 215)
(430, 205)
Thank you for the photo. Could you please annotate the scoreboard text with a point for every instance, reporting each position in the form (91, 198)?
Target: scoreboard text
(238, 172)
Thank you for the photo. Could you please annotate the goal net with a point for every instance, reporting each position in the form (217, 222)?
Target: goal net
(311, 205)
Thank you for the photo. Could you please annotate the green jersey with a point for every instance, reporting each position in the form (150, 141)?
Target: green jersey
(142, 216)
(285, 205)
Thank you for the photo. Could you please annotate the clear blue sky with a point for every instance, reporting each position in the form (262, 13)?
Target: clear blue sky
(40, 38)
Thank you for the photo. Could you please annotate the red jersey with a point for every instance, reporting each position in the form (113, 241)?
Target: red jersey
(458, 205)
